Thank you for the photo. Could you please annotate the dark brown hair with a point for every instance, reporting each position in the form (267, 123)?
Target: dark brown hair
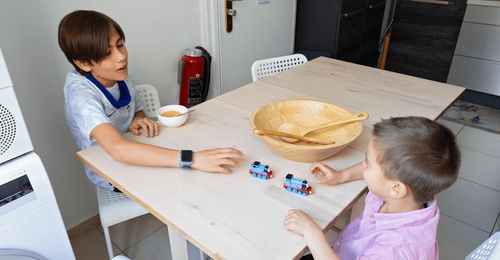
(84, 35)
(418, 152)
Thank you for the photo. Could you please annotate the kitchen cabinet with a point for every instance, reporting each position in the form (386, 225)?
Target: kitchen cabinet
(423, 37)
(348, 30)
(476, 61)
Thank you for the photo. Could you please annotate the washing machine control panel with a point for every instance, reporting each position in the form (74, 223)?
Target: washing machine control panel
(15, 189)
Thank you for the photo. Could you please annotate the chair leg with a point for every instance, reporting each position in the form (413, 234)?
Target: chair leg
(107, 237)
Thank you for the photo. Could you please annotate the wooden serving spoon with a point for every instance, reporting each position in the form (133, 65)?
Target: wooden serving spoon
(298, 130)
(297, 137)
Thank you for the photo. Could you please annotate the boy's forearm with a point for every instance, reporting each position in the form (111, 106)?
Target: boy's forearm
(319, 246)
(354, 172)
(144, 154)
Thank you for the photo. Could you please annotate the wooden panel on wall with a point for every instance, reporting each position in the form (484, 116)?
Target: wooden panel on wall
(423, 39)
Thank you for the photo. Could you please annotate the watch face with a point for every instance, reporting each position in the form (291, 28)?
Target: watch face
(186, 156)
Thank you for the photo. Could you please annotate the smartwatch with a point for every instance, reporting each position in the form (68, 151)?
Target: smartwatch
(185, 159)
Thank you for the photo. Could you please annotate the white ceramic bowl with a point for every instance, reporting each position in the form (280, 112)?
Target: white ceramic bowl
(173, 121)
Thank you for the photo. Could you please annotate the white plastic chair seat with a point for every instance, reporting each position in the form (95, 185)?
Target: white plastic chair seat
(115, 207)
(267, 67)
(488, 250)
(150, 99)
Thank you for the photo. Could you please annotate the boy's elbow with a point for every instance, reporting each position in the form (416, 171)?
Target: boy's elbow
(118, 152)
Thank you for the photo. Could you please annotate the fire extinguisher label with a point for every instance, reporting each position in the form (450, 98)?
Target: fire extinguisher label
(195, 92)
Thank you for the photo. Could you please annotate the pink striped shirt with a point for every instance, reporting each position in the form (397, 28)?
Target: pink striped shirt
(406, 235)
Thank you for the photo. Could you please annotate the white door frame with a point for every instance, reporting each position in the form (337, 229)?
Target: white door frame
(210, 39)
(210, 34)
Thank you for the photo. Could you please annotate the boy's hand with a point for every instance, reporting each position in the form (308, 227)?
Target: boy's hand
(216, 160)
(326, 175)
(150, 128)
(300, 223)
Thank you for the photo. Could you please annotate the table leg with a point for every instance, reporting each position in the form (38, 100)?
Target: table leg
(178, 245)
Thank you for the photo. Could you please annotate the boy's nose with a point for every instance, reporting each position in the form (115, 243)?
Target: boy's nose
(121, 55)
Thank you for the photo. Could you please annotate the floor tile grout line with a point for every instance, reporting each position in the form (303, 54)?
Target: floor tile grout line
(470, 225)
(482, 185)
(137, 242)
(112, 242)
(481, 152)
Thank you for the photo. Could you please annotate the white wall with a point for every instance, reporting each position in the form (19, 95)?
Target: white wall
(156, 33)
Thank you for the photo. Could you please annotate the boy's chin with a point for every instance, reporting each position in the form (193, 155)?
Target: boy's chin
(123, 76)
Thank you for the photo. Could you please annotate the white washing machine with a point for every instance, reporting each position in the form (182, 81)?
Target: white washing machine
(30, 221)
(31, 225)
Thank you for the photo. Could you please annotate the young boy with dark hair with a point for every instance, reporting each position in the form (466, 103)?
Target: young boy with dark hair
(101, 102)
(409, 160)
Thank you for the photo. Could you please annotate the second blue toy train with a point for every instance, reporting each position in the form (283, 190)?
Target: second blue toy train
(297, 185)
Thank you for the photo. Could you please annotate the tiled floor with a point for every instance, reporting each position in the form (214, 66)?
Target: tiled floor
(477, 116)
(143, 237)
(470, 208)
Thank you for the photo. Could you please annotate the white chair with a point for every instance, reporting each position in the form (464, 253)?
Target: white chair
(115, 207)
(150, 99)
(264, 68)
(489, 249)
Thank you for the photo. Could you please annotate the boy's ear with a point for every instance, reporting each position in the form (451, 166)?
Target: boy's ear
(83, 65)
(399, 190)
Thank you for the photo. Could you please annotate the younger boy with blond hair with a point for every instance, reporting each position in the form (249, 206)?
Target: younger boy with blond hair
(409, 160)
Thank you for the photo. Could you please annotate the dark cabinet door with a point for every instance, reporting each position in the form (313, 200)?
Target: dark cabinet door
(316, 27)
(344, 29)
(423, 38)
(350, 37)
(372, 31)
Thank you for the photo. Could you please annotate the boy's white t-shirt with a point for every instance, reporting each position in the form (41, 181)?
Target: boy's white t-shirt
(86, 107)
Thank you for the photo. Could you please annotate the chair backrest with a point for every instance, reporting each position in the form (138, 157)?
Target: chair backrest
(150, 99)
(489, 249)
(267, 67)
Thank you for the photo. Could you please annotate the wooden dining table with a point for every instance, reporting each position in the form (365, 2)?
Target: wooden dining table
(237, 216)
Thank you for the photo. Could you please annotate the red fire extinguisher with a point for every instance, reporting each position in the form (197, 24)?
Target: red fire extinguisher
(194, 76)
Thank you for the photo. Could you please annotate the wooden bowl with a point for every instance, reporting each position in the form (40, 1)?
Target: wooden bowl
(307, 113)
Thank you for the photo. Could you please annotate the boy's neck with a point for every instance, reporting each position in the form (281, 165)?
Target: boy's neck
(105, 82)
(400, 205)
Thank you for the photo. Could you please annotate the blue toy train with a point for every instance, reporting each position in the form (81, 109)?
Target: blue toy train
(260, 170)
(297, 185)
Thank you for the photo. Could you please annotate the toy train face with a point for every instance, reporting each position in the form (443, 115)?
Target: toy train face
(297, 185)
(260, 170)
